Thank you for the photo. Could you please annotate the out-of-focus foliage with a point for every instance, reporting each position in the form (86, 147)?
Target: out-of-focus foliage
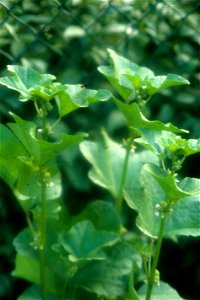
(69, 39)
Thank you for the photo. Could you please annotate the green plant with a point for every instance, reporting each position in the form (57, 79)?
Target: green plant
(93, 255)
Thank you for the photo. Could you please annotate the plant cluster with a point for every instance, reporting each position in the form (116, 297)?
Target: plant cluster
(94, 255)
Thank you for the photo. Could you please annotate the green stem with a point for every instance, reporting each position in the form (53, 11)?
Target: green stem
(155, 260)
(123, 177)
(42, 240)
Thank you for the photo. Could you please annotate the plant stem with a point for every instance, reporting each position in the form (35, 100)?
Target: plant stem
(42, 241)
(123, 177)
(155, 260)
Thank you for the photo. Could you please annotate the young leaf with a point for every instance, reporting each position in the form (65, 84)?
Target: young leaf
(41, 151)
(71, 97)
(23, 79)
(133, 82)
(173, 192)
(84, 242)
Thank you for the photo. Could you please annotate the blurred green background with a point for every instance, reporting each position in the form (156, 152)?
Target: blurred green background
(69, 39)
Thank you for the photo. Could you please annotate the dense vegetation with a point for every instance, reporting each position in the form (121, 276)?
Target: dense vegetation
(70, 41)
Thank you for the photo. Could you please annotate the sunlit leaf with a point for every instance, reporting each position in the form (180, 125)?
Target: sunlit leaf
(107, 160)
(71, 97)
(137, 120)
(168, 183)
(133, 82)
(24, 79)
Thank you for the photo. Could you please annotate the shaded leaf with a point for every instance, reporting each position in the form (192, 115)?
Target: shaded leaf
(34, 293)
(109, 277)
(161, 292)
(41, 151)
(94, 212)
(84, 242)
(28, 269)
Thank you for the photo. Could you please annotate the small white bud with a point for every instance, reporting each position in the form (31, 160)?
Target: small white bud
(158, 206)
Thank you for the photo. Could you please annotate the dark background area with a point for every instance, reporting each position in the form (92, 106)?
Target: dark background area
(69, 39)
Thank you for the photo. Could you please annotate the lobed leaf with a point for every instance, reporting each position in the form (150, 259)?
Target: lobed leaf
(108, 278)
(40, 150)
(94, 212)
(144, 194)
(23, 79)
(168, 182)
(131, 80)
(137, 120)
(71, 97)
(84, 242)
(107, 159)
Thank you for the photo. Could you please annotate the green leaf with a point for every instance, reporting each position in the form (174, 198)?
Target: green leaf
(41, 151)
(26, 245)
(23, 175)
(71, 97)
(145, 193)
(142, 193)
(168, 182)
(84, 242)
(10, 149)
(131, 80)
(191, 185)
(137, 120)
(94, 212)
(108, 277)
(107, 159)
(34, 293)
(185, 217)
(121, 85)
(161, 292)
(28, 269)
(175, 144)
(27, 261)
(22, 79)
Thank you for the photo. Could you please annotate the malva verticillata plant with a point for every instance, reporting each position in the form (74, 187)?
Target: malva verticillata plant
(93, 255)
